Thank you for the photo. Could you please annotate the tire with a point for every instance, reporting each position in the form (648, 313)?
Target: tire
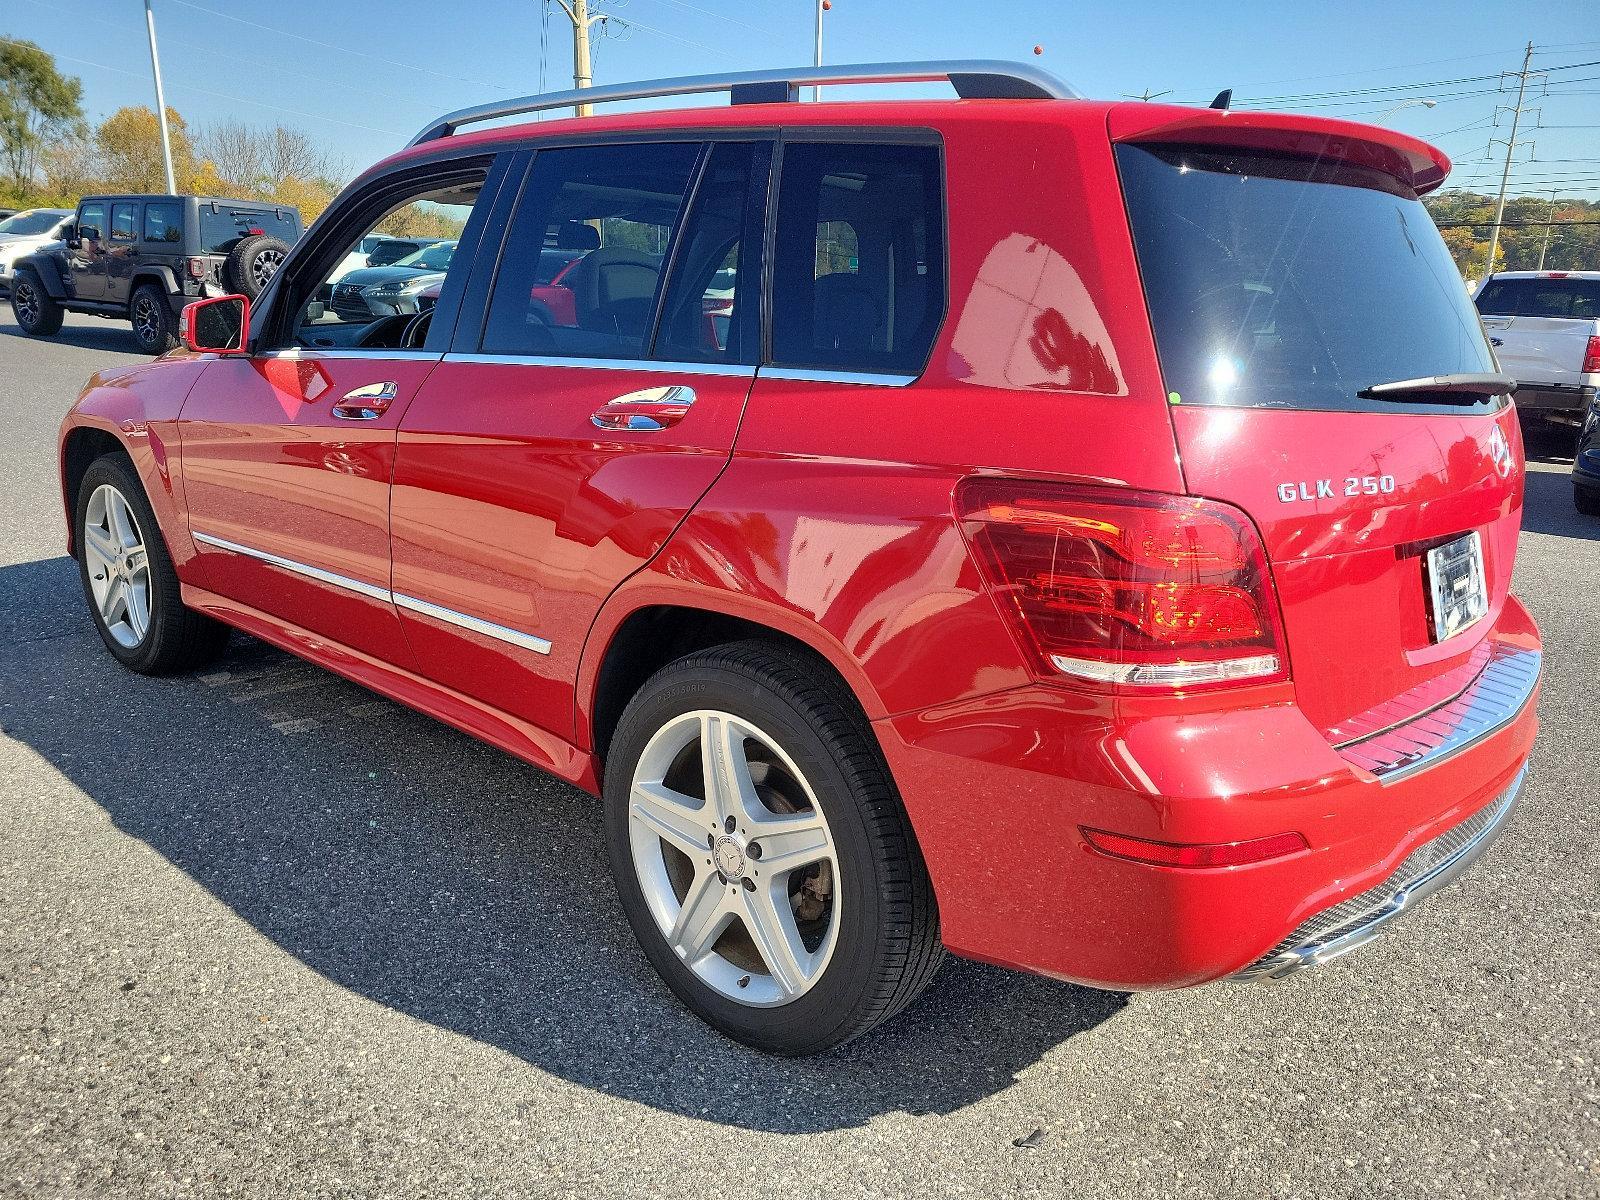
(860, 921)
(171, 637)
(252, 263)
(1586, 500)
(37, 315)
(155, 328)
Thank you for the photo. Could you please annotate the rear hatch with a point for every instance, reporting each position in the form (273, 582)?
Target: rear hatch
(1541, 326)
(1283, 281)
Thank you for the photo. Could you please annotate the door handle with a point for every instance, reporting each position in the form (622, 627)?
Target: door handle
(367, 402)
(647, 409)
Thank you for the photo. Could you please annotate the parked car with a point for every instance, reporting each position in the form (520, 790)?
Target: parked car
(1545, 329)
(1586, 464)
(1106, 574)
(394, 286)
(142, 258)
(378, 251)
(25, 232)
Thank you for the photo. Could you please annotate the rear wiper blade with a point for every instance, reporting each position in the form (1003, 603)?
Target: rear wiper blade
(1477, 383)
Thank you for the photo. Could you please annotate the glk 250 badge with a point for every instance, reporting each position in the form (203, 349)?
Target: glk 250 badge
(1324, 489)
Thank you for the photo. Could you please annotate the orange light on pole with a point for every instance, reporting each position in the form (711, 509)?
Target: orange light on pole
(1036, 49)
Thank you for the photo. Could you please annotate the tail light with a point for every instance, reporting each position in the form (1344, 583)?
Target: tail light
(1591, 357)
(1130, 591)
(197, 268)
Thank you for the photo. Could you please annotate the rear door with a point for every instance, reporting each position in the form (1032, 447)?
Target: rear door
(1281, 287)
(123, 254)
(558, 446)
(1541, 326)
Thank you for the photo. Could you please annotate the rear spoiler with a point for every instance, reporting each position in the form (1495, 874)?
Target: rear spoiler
(1416, 164)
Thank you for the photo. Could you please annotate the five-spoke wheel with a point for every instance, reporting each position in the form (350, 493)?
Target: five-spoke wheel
(118, 565)
(734, 857)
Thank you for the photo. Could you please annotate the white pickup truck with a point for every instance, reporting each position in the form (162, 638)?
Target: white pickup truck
(1545, 329)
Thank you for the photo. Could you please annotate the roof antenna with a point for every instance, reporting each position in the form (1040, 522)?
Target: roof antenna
(1224, 98)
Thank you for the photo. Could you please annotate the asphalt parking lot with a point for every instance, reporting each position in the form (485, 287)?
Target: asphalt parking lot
(265, 934)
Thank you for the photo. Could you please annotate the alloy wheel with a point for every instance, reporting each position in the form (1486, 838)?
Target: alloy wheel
(24, 303)
(119, 566)
(266, 266)
(734, 858)
(146, 321)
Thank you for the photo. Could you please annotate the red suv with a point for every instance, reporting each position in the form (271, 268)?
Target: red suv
(1074, 534)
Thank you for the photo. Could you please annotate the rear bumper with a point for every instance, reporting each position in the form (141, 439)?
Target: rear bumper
(1355, 922)
(1000, 788)
(1550, 397)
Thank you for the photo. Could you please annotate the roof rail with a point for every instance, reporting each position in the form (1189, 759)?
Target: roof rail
(973, 79)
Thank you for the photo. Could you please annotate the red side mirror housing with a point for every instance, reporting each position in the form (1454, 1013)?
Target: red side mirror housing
(220, 325)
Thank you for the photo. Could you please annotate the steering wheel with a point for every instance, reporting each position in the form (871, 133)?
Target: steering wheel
(416, 331)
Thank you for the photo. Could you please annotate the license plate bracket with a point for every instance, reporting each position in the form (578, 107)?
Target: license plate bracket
(1457, 590)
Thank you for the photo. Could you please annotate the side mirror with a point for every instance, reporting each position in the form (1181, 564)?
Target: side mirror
(69, 235)
(315, 310)
(216, 326)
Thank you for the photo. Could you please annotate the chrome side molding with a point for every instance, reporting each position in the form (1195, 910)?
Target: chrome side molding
(437, 612)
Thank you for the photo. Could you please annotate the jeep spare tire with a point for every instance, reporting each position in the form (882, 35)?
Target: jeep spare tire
(252, 263)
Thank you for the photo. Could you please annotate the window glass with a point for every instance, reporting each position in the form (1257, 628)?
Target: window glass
(858, 277)
(92, 222)
(1575, 299)
(23, 223)
(1256, 297)
(384, 299)
(708, 315)
(596, 221)
(122, 220)
(222, 229)
(163, 222)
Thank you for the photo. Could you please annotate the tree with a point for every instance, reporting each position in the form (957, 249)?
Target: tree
(129, 146)
(37, 105)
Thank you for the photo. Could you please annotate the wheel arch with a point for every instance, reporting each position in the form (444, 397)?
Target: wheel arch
(44, 266)
(642, 637)
(162, 277)
(80, 446)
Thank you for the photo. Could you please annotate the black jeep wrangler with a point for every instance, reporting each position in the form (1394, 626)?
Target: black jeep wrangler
(142, 258)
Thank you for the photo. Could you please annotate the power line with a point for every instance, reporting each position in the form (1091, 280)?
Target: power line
(1511, 147)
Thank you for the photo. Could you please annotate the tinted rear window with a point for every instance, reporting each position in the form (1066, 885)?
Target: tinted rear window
(30, 222)
(1574, 299)
(1279, 282)
(219, 231)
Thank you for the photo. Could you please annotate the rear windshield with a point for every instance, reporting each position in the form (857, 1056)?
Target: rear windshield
(1572, 299)
(1280, 282)
(220, 230)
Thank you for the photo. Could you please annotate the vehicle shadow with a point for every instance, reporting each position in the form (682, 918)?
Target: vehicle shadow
(1547, 507)
(445, 880)
(1548, 442)
(109, 335)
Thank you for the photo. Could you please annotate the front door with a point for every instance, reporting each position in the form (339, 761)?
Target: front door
(287, 458)
(550, 458)
(288, 454)
(86, 263)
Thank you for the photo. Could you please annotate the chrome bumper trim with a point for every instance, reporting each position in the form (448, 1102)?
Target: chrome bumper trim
(438, 612)
(1356, 921)
(1494, 699)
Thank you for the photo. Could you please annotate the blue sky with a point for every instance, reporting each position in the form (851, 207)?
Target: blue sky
(364, 75)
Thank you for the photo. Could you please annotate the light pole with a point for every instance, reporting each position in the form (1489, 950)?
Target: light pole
(1389, 112)
(161, 101)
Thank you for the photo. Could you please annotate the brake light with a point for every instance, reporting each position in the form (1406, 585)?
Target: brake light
(1591, 357)
(1216, 854)
(197, 268)
(1130, 591)
(256, 232)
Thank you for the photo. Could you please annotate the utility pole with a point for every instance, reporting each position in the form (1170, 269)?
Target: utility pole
(161, 101)
(582, 69)
(1548, 222)
(1511, 145)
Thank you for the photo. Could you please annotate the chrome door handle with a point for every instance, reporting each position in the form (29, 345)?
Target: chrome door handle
(646, 410)
(366, 403)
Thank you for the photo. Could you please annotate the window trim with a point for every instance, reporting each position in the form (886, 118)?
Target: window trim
(111, 221)
(271, 324)
(862, 135)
